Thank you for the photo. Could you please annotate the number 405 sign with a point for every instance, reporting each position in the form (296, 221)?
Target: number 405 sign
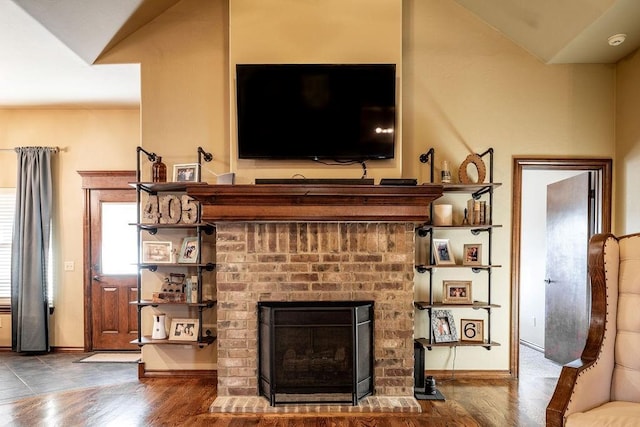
(171, 209)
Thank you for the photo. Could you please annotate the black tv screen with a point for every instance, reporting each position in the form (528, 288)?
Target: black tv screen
(316, 111)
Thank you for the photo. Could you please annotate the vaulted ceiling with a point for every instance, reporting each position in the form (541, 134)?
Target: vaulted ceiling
(564, 31)
(47, 47)
(90, 27)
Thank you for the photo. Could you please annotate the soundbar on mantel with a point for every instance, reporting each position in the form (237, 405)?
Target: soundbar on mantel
(337, 181)
(316, 181)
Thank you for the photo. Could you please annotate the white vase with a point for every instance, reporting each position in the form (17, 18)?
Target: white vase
(159, 330)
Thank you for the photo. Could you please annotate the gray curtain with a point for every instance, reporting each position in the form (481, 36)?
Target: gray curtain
(30, 251)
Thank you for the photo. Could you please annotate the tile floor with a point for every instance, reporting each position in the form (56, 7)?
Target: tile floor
(26, 376)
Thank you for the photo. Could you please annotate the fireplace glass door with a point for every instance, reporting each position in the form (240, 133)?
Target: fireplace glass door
(315, 352)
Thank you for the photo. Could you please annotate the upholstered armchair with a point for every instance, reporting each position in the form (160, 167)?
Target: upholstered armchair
(602, 388)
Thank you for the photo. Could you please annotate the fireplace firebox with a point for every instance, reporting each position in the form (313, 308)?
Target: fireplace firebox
(315, 352)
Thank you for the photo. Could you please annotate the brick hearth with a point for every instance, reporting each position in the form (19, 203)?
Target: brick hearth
(332, 261)
(255, 404)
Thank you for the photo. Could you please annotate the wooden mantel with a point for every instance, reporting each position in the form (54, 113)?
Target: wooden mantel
(315, 203)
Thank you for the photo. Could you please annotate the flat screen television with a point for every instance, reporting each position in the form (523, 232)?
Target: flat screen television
(341, 112)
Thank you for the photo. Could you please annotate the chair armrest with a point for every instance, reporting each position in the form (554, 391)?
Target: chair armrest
(586, 382)
(564, 390)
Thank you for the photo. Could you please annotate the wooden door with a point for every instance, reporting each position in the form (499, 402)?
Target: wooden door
(569, 226)
(114, 321)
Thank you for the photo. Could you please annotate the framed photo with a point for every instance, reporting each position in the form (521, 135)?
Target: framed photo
(456, 292)
(184, 330)
(156, 252)
(472, 254)
(444, 327)
(186, 172)
(189, 251)
(442, 252)
(472, 330)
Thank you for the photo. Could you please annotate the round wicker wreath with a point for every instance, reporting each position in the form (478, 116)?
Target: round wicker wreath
(476, 160)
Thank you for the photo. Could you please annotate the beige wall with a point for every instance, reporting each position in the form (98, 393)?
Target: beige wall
(187, 59)
(5, 330)
(465, 88)
(90, 140)
(627, 164)
(327, 31)
(183, 62)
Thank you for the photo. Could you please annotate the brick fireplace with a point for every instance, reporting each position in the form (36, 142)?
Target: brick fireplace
(361, 251)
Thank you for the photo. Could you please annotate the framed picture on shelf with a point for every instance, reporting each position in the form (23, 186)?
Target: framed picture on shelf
(186, 172)
(184, 330)
(442, 252)
(472, 254)
(443, 325)
(472, 330)
(456, 292)
(189, 251)
(156, 252)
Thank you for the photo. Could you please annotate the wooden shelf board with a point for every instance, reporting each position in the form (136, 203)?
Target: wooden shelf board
(145, 303)
(154, 187)
(468, 188)
(425, 342)
(173, 264)
(423, 305)
(482, 267)
(205, 341)
(150, 226)
(461, 227)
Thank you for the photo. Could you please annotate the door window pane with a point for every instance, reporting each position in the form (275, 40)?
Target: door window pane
(119, 238)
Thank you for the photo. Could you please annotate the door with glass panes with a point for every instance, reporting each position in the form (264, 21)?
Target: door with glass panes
(113, 271)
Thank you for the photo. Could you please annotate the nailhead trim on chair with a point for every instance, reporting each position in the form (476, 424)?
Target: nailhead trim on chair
(606, 323)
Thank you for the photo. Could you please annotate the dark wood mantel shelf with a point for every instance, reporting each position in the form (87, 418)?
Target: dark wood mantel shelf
(315, 203)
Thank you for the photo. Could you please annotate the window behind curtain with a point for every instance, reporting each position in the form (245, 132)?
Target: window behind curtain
(7, 209)
(7, 213)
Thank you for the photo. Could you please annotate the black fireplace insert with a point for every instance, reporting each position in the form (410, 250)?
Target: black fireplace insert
(315, 352)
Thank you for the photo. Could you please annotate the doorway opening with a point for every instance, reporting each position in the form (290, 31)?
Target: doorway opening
(533, 169)
(110, 320)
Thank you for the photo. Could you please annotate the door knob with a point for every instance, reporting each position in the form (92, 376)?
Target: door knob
(97, 278)
(547, 281)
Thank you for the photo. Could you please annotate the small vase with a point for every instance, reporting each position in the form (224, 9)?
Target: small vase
(159, 171)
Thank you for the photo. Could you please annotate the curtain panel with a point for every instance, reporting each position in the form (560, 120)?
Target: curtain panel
(30, 250)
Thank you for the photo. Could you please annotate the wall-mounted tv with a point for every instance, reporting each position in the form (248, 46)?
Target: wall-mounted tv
(336, 112)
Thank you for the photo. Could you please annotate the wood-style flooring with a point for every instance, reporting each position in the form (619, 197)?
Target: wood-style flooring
(126, 401)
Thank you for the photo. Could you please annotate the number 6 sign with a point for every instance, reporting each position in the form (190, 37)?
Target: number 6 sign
(472, 330)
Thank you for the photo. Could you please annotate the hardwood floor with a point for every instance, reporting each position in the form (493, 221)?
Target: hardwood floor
(185, 402)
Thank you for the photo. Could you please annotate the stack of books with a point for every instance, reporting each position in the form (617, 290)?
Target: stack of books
(478, 212)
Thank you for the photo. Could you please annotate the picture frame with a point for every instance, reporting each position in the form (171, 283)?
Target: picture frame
(472, 330)
(186, 172)
(472, 254)
(442, 252)
(443, 326)
(184, 330)
(154, 252)
(189, 250)
(456, 292)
